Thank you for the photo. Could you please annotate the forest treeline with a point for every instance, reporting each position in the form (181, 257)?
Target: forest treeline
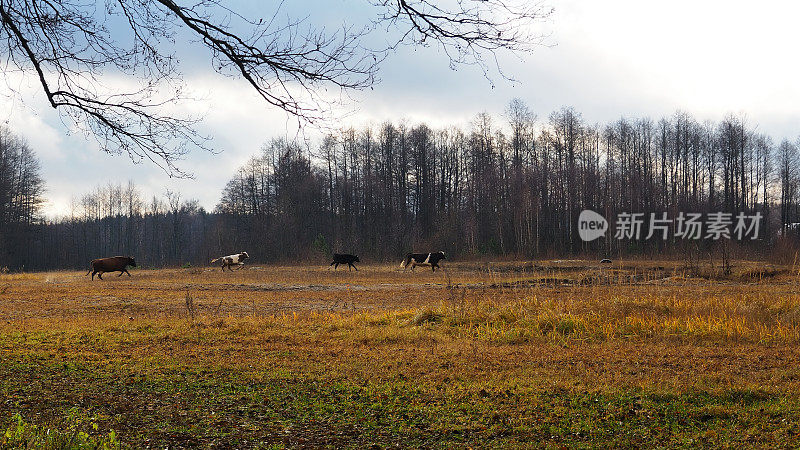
(21, 198)
(501, 186)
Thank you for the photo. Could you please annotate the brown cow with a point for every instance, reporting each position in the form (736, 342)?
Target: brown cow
(114, 264)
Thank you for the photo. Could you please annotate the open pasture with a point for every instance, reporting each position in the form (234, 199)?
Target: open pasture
(546, 353)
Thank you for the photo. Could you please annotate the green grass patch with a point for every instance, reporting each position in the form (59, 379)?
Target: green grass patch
(76, 432)
(189, 405)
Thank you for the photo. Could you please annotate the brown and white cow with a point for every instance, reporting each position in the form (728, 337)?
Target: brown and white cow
(230, 260)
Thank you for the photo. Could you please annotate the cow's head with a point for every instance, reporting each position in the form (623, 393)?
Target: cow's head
(442, 254)
(131, 262)
(243, 255)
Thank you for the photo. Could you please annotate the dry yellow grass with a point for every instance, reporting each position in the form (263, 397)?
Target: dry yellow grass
(474, 331)
(578, 300)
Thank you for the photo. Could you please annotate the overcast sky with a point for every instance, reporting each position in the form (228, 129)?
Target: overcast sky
(607, 59)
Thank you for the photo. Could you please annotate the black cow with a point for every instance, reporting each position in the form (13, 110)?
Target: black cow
(344, 258)
(422, 259)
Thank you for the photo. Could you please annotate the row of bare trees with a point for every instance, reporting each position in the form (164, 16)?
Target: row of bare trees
(21, 189)
(116, 219)
(511, 185)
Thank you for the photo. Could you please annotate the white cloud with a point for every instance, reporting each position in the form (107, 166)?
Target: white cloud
(613, 58)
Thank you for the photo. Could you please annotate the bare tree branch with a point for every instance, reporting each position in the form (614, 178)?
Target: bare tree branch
(81, 53)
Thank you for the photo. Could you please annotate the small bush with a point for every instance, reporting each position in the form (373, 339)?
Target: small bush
(191, 309)
(321, 245)
(564, 326)
(426, 315)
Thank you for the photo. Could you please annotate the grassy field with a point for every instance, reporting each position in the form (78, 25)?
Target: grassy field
(547, 353)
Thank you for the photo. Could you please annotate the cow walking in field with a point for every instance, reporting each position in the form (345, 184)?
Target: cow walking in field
(113, 264)
(422, 259)
(344, 258)
(230, 260)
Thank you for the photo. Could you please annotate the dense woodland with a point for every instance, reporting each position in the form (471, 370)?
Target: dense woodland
(21, 191)
(509, 186)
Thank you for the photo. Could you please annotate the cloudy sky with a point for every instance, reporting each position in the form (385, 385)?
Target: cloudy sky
(607, 59)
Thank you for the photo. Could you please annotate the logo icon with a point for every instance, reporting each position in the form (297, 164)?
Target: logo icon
(591, 225)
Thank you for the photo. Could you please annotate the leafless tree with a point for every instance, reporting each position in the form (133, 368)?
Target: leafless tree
(112, 70)
(788, 162)
(21, 197)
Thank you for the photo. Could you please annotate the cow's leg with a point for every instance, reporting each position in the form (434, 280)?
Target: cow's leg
(336, 266)
(329, 265)
(93, 275)
(433, 267)
(126, 271)
(121, 272)
(354, 266)
(100, 275)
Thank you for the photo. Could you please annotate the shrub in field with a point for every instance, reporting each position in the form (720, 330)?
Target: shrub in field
(426, 315)
(563, 326)
(191, 309)
(321, 245)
